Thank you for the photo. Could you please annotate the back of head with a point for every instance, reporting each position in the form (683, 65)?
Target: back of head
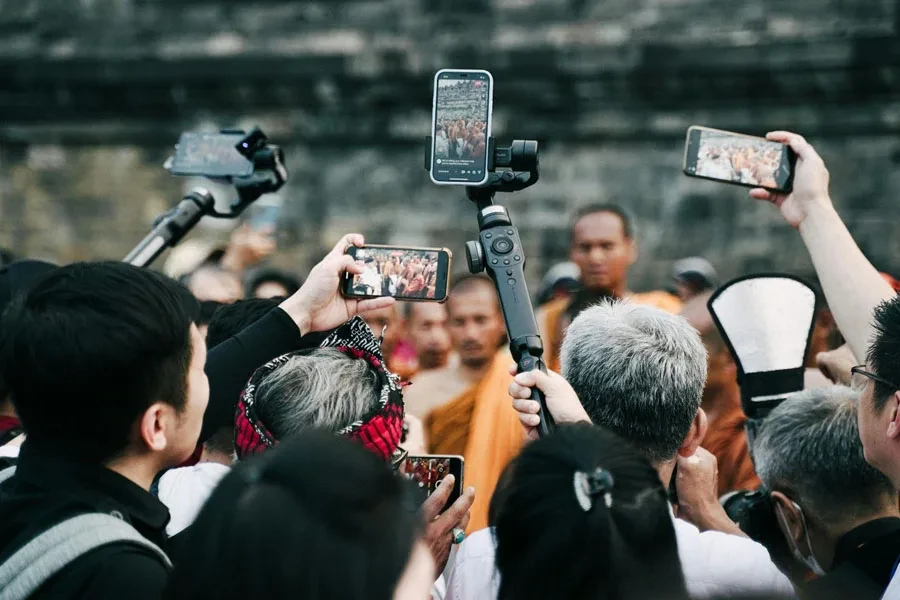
(211, 282)
(230, 319)
(809, 447)
(270, 283)
(317, 517)
(583, 515)
(638, 371)
(322, 388)
(90, 348)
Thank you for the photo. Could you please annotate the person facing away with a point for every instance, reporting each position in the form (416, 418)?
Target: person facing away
(465, 406)
(639, 372)
(603, 518)
(317, 517)
(726, 438)
(839, 515)
(106, 370)
(604, 249)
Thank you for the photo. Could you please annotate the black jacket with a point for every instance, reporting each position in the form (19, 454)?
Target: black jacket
(49, 488)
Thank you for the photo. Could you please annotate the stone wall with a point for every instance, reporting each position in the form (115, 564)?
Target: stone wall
(95, 92)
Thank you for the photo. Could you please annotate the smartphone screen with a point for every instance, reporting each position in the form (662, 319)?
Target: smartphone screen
(429, 470)
(461, 126)
(210, 155)
(738, 159)
(264, 217)
(406, 273)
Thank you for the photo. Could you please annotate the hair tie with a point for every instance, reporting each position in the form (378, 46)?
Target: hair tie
(588, 485)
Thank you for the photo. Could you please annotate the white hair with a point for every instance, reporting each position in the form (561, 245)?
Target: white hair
(638, 371)
(809, 448)
(321, 389)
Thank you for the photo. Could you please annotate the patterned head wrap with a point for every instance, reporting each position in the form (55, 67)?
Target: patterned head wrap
(379, 431)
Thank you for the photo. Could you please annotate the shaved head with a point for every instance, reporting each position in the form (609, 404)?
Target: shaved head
(476, 321)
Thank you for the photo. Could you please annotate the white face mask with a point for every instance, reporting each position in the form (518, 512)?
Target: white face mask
(810, 560)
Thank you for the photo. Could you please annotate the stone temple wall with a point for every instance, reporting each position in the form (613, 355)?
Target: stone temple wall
(93, 94)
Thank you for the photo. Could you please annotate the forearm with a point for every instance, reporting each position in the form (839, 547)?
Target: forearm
(851, 284)
(714, 518)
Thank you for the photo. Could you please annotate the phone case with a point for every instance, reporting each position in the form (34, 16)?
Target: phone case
(490, 124)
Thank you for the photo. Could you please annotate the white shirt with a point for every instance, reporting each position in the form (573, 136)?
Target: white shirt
(714, 564)
(893, 589)
(184, 491)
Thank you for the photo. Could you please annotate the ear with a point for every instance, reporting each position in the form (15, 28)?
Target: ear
(789, 519)
(696, 434)
(155, 424)
(632, 251)
(893, 409)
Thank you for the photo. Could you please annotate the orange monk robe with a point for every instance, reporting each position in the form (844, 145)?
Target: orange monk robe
(553, 330)
(727, 441)
(481, 425)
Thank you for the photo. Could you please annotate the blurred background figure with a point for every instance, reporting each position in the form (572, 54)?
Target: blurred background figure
(693, 276)
(561, 281)
(426, 326)
(213, 283)
(387, 324)
(272, 283)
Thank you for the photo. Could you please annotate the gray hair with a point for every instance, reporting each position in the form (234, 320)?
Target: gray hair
(639, 372)
(321, 389)
(809, 448)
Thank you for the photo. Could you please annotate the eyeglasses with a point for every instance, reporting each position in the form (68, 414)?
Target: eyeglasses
(859, 375)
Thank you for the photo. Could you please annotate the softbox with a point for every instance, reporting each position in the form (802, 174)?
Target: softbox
(766, 322)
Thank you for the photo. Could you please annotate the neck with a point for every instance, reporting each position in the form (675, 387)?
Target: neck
(139, 470)
(430, 362)
(829, 539)
(618, 291)
(721, 400)
(665, 470)
(472, 371)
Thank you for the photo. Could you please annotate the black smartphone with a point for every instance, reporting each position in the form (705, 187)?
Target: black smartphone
(404, 272)
(428, 470)
(210, 155)
(461, 126)
(739, 159)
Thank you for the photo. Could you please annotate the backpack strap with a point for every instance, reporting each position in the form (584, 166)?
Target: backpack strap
(30, 567)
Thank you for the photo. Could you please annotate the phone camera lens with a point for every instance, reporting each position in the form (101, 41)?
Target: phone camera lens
(502, 245)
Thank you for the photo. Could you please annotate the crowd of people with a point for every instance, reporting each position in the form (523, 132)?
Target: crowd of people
(224, 431)
(748, 161)
(460, 128)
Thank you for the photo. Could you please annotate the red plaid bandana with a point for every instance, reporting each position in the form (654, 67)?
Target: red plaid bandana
(379, 431)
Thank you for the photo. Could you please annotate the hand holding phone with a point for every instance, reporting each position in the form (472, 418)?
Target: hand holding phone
(429, 470)
(461, 126)
(402, 272)
(739, 159)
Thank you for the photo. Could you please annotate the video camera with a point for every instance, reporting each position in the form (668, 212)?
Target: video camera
(244, 160)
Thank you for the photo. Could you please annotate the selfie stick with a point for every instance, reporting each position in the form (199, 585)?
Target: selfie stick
(499, 252)
(269, 174)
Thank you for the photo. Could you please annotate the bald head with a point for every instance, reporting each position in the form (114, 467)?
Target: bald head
(476, 321)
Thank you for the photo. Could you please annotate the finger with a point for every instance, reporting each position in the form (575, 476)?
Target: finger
(464, 523)
(513, 369)
(529, 421)
(516, 391)
(453, 515)
(527, 407)
(794, 140)
(370, 304)
(532, 434)
(432, 506)
(527, 379)
(351, 239)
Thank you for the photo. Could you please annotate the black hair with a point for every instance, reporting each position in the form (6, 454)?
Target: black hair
(592, 209)
(884, 352)
(548, 546)
(207, 309)
(89, 348)
(468, 281)
(290, 282)
(316, 517)
(230, 319)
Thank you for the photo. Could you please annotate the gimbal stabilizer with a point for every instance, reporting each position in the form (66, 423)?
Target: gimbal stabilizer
(499, 252)
(269, 174)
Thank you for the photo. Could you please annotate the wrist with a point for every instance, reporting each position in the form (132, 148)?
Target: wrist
(819, 214)
(298, 314)
(712, 517)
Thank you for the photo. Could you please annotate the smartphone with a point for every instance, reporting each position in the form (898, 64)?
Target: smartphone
(210, 155)
(739, 159)
(406, 273)
(461, 126)
(264, 217)
(428, 470)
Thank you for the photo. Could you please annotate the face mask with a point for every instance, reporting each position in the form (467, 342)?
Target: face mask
(810, 560)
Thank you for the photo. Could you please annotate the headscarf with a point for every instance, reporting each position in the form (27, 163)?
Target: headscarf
(379, 431)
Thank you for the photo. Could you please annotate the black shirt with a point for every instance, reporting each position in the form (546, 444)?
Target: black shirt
(863, 561)
(49, 487)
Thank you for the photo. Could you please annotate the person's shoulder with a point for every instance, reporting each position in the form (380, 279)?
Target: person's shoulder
(553, 307)
(659, 299)
(119, 570)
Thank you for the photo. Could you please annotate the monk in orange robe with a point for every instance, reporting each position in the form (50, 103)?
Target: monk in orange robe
(725, 438)
(603, 247)
(465, 406)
